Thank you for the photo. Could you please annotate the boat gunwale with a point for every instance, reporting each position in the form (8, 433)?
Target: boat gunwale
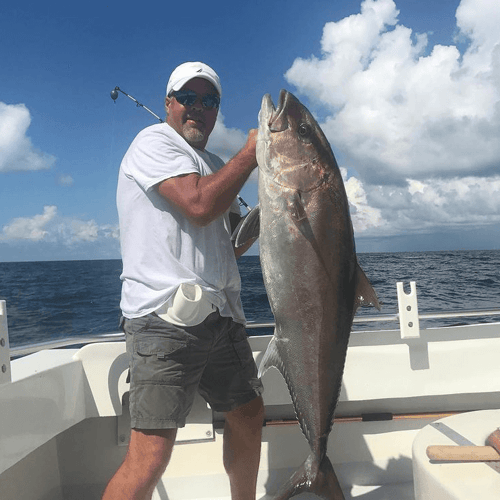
(26, 349)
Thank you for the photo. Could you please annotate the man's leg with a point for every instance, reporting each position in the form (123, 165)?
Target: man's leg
(242, 439)
(147, 457)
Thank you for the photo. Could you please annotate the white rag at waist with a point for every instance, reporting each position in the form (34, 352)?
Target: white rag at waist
(190, 306)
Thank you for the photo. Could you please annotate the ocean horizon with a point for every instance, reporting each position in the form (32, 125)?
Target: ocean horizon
(55, 299)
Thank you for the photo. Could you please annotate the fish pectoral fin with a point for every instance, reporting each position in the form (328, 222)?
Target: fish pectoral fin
(299, 217)
(365, 294)
(271, 358)
(296, 207)
(247, 229)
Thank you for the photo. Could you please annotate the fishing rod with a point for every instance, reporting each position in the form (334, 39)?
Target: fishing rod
(114, 96)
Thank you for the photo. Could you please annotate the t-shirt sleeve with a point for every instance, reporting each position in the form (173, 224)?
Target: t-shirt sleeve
(155, 157)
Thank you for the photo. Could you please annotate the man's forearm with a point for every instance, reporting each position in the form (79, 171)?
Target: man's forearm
(218, 191)
(205, 198)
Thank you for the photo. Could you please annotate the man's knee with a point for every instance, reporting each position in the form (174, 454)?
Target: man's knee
(249, 413)
(150, 450)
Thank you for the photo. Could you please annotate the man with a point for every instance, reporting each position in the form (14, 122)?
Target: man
(181, 304)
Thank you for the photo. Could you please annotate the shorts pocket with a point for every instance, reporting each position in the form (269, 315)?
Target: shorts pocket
(161, 348)
(241, 346)
(159, 360)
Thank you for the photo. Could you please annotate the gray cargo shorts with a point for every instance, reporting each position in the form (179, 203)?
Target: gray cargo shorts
(169, 363)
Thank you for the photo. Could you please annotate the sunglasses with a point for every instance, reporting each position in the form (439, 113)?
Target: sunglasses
(189, 97)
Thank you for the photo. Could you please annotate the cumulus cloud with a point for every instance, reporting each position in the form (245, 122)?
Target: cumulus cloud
(84, 230)
(418, 126)
(16, 150)
(226, 142)
(427, 206)
(362, 214)
(65, 180)
(34, 228)
(397, 108)
(50, 227)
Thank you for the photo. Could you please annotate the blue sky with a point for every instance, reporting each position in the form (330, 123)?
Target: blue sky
(407, 92)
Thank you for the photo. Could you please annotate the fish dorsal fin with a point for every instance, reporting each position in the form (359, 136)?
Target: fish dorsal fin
(365, 294)
(248, 228)
(271, 358)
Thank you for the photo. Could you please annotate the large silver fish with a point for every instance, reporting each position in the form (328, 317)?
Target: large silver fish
(312, 277)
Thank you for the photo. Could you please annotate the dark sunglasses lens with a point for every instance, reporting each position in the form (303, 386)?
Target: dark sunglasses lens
(184, 98)
(188, 98)
(210, 101)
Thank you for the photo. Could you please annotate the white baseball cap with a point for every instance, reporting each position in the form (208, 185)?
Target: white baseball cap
(189, 70)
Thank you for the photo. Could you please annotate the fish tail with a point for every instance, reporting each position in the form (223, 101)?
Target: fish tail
(322, 481)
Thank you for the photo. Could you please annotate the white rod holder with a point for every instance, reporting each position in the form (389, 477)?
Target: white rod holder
(5, 375)
(408, 311)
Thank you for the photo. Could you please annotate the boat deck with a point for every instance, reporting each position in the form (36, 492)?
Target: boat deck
(384, 492)
(64, 420)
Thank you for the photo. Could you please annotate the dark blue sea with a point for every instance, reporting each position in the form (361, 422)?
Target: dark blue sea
(50, 300)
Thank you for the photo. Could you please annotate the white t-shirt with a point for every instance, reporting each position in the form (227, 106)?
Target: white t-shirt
(160, 247)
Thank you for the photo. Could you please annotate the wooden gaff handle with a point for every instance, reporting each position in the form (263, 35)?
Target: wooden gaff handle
(462, 453)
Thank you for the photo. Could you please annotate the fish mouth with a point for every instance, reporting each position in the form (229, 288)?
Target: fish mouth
(266, 112)
(274, 117)
(271, 119)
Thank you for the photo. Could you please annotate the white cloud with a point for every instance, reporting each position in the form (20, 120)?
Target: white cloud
(427, 206)
(417, 125)
(16, 150)
(52, 228)
(25, 228)
(397, 108)
(110, 231)
(362, 214)
(65, 180)
(225, 142)
(84, 230)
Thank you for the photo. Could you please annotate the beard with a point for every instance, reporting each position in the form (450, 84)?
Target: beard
(193, 135)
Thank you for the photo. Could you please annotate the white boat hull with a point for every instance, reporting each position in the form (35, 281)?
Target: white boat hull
(64, 421)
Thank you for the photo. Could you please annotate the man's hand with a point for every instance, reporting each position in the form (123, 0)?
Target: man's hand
(251, 144)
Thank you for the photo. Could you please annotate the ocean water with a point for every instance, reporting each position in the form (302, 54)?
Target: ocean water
(50, 300)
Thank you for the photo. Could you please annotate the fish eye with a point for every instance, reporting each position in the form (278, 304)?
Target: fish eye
(304, 130)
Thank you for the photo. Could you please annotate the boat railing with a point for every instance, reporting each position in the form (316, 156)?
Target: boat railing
(24, 350)
(396, 317)
(408, 317)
